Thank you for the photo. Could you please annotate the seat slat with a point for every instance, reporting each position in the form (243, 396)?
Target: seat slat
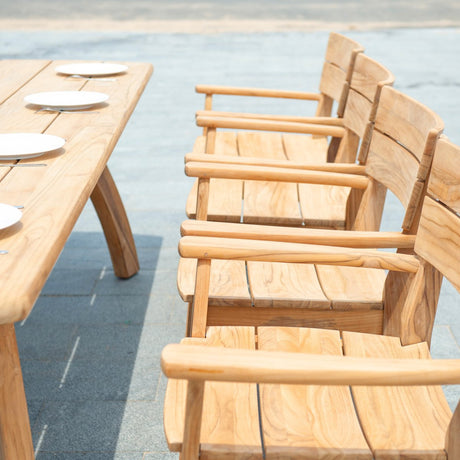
(323, 206)
(268, 202)
(228, 284)
(300, 421)
(399, 422)
(307, 149)
(285, 285)
(230, 422)
(224, 195)
(352, 288)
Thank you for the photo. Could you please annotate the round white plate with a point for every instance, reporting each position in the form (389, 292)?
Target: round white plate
(9, 215)
(17, 146)
(91, 69)
(67, 100)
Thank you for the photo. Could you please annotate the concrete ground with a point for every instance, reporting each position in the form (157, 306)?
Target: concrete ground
(90, 348)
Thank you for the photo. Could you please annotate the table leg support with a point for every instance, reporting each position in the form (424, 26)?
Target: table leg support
(15, 435)
(114, 221)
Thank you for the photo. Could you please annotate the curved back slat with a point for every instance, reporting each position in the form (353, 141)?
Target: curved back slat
(339, 61)
(401, 148)
(367, 79)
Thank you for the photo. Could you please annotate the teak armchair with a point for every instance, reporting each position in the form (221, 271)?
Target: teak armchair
(338, 65)
(315, 295)
(280, 392)
(281, 203)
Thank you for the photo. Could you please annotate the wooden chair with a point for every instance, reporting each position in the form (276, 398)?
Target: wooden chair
(293, 393)
(282, 203)
(344, 298)
(338, 65)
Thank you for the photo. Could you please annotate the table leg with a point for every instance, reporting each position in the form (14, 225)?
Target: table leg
(117, 230)
(15, 435)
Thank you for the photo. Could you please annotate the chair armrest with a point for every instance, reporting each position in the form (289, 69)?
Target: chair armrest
(331, 121)
(198, 362)
(269, 125)
(267, 173)
(347, 168)
(256, 92)
(345, 238)
(207, 248)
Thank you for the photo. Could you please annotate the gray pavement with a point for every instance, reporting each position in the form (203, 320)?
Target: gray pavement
(90, 348)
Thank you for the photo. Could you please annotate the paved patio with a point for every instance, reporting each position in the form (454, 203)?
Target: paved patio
(90, 349)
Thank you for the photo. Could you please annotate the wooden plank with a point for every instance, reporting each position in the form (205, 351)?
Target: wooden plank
(357, 112)
(285, 285)
(370, 321)
(350, 288)
(323, 206)
(393, 166)
(268, 202)
(24, 71)
(228, 284)
(340, 49)
(71, 175)
(332, 82)
(367, 74)
(15, 434)
(299, 421)
(230, 423)
(399, 422)
(438, 239)
(224, 196)
(406, 120)
(305, 149)
(444, 182)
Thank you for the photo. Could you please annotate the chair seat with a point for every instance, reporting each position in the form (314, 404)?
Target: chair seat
(272, 203)
(302, 421)
(346, 298)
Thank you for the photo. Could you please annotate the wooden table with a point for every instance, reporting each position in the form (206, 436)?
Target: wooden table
(53, 198)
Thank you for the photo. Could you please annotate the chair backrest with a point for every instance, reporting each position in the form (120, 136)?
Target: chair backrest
(364, 87)
(438, 237)
(340, 56)
(400, 153)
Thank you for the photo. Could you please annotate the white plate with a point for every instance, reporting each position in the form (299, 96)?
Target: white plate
(9, 215)
(16, 146)
(67, 100)
(91, 69)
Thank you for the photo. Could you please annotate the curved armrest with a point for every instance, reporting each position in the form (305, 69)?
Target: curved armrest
(267, 173)
(331, 121)
(269, 125)
(198, 362)
(207, 248)
(347, 168)
(256, 92)
(345, 238)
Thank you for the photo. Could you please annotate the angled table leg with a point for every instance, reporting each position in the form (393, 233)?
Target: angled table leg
(114, 221)
(15, 435)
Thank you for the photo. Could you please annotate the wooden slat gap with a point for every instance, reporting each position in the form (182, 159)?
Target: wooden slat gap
(397, 142)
